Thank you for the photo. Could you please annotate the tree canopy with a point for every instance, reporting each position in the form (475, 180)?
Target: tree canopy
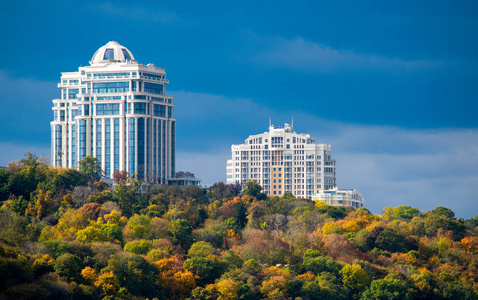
(64, 235)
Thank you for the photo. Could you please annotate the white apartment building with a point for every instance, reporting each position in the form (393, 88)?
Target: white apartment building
(282, 160)
(335, 196)
(116, 110)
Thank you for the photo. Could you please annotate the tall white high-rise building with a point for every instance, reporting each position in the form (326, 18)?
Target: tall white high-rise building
(116, 110)
(282, 160)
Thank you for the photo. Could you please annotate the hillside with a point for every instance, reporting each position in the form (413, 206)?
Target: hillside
(66, 235)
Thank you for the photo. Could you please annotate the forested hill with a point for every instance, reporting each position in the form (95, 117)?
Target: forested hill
(66, 235)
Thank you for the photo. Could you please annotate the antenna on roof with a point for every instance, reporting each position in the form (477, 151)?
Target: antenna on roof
(270, 122)
(292, 125)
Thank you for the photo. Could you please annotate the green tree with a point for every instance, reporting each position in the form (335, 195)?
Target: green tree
(254, 189)
(113, 232)
(205, 270)
(434, 222)
(218, 191)
(138, 247)
(91, 169)
(330, 286)
(443, 211)
(181, 232)
(391, 240)
(388, 289)
(194, 194)
(23, 183)
(315, 262)
(401, 212)
(125, 195)
(69, 266)
(91, 234)
(355, 278)
(4, 177)
(136, 275)
(19, 205)
(140, 226)
(201, 249)
(68, 179)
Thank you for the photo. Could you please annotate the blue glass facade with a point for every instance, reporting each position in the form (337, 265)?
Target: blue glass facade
(58, 143)
(82, 139)
(73, 147)
(72, 93)
(148, 146)
(153, 88)
(140, 108)
(140, 148)
(173, 148)
(107, 147)
(155, 145)
(131, 145)
(110, 87)
(163, 150)
(116, 144)
(98, 139)
(107, 109)
(159, 110)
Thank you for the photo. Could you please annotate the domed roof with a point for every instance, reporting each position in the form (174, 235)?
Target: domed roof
(112, 51)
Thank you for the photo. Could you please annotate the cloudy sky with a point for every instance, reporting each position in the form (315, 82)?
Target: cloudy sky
(391, 85)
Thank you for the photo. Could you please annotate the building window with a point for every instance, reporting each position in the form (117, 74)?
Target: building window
(159, 110)
(153, 88)
(126, 54)
(72, 93)
(107, 109)
(109, 54)
(140, 108)
(110, 87)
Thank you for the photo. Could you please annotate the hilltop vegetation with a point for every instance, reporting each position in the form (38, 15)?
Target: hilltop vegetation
(65, 235)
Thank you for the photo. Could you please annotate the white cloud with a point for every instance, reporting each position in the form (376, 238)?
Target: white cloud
(134, 12)
(299, 54)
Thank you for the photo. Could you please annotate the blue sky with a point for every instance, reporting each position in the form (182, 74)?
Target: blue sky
(391, 85)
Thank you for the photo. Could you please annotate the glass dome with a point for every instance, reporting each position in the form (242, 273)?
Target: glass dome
(112, 52)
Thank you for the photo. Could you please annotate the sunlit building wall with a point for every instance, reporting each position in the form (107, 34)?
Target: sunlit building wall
(282, 160)
(117, 110)
(340, 197)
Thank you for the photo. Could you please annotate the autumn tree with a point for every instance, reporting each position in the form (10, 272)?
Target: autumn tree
(355, 278)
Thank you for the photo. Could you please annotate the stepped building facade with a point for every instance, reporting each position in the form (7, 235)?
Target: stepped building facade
(282, 160)
(344, 197)
(116, 110)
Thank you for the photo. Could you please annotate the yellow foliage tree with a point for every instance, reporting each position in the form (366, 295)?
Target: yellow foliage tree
(354, 277)
(470, 244)
(89, 274)
(70, 222)
(115, 217)
(228, 289)
(333, 227)
(108, 283)
(42, 206)
(178, 285)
